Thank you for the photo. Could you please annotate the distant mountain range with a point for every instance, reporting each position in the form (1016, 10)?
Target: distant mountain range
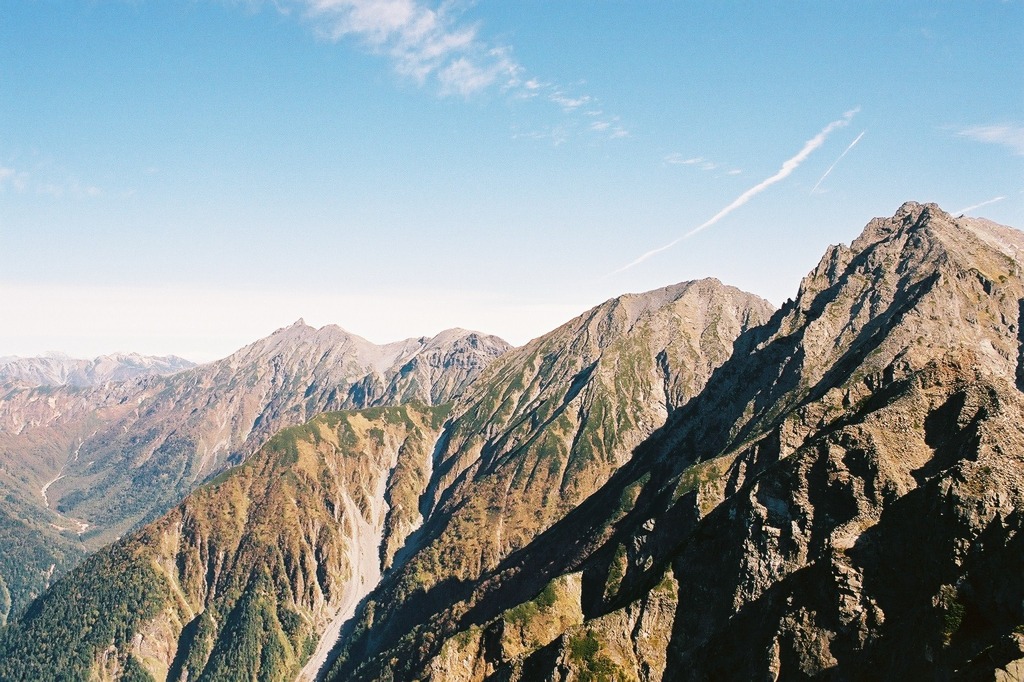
(57, 369)
(681, 484)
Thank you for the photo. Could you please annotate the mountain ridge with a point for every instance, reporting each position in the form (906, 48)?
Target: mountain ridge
(59, 369)
(769, 410)
(410, 478)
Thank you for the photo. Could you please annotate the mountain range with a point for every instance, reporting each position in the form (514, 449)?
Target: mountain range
(681, 484)
(57, 369)
(80, 465)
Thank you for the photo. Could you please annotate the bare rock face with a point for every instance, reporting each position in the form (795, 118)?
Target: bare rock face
(82, 465)
(842, 500)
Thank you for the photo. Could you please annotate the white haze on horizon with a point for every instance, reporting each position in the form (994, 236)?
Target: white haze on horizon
(204, 325)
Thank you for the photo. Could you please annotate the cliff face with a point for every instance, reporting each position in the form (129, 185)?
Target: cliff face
(81, 466)
(842, 500)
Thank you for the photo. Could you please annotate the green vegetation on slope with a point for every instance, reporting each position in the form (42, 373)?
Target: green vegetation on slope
(66, 634)
(238, 581)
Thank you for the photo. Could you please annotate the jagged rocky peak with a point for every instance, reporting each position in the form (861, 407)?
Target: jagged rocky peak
(384, 359)
(932, 280)
(841, 501)
(456, 337)
(706, 290)
(300, 335)
(438, 369)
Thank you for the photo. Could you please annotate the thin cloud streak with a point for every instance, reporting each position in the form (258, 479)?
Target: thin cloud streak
(1008, 135)
(836, 162)
(977, 206)
(58, 188)
(677, 159)
(785, 171)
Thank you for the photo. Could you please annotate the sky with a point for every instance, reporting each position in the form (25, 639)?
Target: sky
(186, 176)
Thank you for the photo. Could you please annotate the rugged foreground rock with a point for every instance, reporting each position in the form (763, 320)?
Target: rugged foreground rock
(841, 501)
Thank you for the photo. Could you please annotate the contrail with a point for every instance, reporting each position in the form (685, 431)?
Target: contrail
(984, 203)
(787, 168)
(836, 163)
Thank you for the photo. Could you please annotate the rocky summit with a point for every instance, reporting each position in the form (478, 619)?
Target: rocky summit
(682, 484)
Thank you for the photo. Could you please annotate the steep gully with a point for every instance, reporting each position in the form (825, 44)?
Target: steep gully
(365, 556)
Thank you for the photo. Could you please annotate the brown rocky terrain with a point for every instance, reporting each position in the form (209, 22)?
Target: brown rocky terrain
(841, 501)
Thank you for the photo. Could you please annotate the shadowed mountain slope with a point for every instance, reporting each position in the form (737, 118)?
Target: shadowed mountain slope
(842, 501)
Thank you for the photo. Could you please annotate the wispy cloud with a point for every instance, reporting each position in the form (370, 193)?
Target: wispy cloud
(977, 206)
(784, 172)
(569, 103)
(677, 159)
(609, 127)
(23, 182)
(1007, 134)
(422, 42)
(17, 180)
(556, 135)
(430, 42)
(836, 162)
(72, 189)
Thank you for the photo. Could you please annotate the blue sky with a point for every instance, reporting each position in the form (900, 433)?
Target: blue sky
(186, 176)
